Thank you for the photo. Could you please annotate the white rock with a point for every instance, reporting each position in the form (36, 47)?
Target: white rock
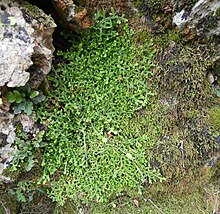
(16, 49)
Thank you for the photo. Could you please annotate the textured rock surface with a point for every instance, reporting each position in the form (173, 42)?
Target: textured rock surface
(44, 27)
(16, 48)
(8, 123)
(25, 43)
(204, 17)
(7, 137)
(25, 55)
(68, 17)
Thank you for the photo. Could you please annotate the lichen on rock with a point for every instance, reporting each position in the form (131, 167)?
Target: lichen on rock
(16, 48)
(25, 43)
(26, 52)
(7, 137)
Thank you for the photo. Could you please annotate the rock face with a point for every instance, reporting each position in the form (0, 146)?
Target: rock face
(70, 16)
(25, 40)
(26, 51)
(7, 137)
(204, 17)
(16, 47)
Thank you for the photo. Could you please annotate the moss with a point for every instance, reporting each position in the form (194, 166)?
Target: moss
(194, 113)
(213, 118)
(8, 203)
(186, 196)
(158, 14)
(35, 13)
(163, 40)
(217, 12)
(137, 3)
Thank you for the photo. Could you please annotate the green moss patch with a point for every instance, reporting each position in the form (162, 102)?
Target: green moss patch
(213, 118)
(91, 152)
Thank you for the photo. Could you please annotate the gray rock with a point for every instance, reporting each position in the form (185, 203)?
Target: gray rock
(44, 27)
(7, 137)
(26, 42)
(27, 123)
(203, 17)
(26, 51)
(16, 48)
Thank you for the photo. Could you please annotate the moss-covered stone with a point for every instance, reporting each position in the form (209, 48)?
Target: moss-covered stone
(33, 12)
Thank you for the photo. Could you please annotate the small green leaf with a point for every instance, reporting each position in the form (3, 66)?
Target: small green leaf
(104, 140)
(217, 90)
(28, 107)
(30, 163)
(38, 99)
(34, 94)
(10, 96)
(20, 196)
(18, 108)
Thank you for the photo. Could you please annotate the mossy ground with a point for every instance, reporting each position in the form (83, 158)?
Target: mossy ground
(188, 139)
(188, 195)
(189, 112)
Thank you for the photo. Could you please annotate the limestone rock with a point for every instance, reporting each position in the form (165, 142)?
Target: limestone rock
(26, 51)
(44, 27)
(25, 40)
(204, 17)
(16, 47)
(7, 137)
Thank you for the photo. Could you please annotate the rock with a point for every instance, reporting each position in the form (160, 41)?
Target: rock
(8, 124)
(16, 48)
(44, 27)
(211, 78)
(7, 137)
(204, 17)
(26, 51)
(68, 17)
(27, 122)
(25, 40)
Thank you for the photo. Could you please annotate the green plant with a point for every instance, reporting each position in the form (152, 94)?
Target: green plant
(23, 99)
(27, 149)
(213, 118)
(15, 96)
(18, 193)
(26, 191)
(90, 153)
